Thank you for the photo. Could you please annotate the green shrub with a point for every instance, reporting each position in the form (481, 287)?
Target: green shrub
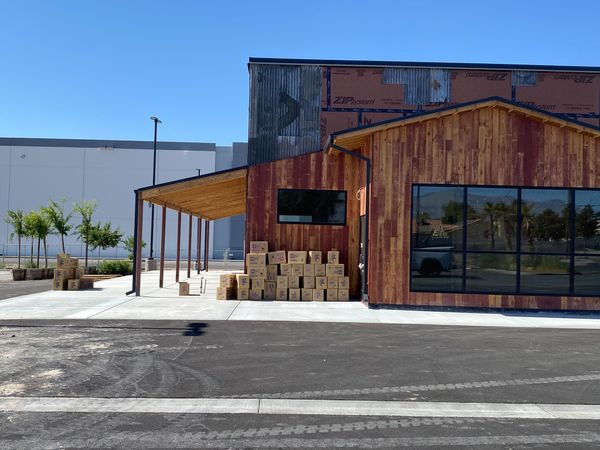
(117, 267)
(30, 265)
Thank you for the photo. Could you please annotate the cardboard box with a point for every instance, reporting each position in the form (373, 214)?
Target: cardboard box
(320, 270)
(320, 282)
(224, 293)
(297, 270)
(257, 271)
(256, 294)
(256, 259)
(184, 288)
(343, 295)
(259, 247)
(79, 272)
(243, 293)
(59, 284)
(332, 295)
(315, 257)
(334, 270)
(64, 274)
(333, 257)
(62, 260)
(73, 263)
(344, 282)
(333, 282)
(297, 257)
(271, 272)
(282, 282)
(318, 295)
(243, 281)
(294, 295)
(257, 283)
(281, 294)
(227, 280)
(309, 270)
(86, 283)
(308, 282)
(307, 295)
(277, 257)
(294, 282)
(270, 291)
(285, 270)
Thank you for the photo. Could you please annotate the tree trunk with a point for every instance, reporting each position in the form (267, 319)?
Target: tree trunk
(45, 255)
(19, 253)
(37, 260)
(86, 254)
(62, 240)
(31, 253)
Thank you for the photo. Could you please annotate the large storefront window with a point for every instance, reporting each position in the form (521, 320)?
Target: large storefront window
(505, 240)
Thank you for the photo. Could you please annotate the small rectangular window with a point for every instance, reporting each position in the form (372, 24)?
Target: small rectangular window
(311, 206)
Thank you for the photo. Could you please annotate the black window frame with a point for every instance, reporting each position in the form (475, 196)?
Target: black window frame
(519, 252)
(314, 223)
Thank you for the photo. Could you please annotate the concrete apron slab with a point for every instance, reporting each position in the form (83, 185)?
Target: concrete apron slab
(108, 301)
(299, 407)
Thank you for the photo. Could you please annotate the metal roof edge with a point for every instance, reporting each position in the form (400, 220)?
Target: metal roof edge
(97, 143)
(423, 64)
(196, 177)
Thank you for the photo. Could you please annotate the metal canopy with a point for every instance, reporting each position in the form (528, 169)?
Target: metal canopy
(211, 196)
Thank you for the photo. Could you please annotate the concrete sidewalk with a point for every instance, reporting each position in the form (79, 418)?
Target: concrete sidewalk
(108, 301)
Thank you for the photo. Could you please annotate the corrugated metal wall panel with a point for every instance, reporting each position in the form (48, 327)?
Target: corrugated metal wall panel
(422, 86)
(524, 78)
(285, 105)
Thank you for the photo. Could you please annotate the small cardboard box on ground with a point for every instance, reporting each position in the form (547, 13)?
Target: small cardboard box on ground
(307, 295)
(270, 290)
(225, 293)
(294, 295)
(344, 282)
(281, 294)
(256, 294)
(227, 280)
(243, 293)
(184, 288)
(243, 281)
(318, 295)
(343, 295)
(333, 283)
(332, 295)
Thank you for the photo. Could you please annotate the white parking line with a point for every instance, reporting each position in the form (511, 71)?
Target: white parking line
(302, 407)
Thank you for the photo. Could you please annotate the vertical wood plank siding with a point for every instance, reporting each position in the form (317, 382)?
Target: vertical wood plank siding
(489, 146)
(313, 171)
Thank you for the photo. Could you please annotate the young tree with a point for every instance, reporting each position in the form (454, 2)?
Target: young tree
(84, 229)
(128, 243)
(586, 222)
(103, 237)
(16, 220)
(29, 224)
(40, 228)
(55, 212)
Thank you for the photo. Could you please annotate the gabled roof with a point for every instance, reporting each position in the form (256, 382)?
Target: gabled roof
(354, 138)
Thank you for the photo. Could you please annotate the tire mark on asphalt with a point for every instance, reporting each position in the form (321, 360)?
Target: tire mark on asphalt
(424, 387)
(210, 386)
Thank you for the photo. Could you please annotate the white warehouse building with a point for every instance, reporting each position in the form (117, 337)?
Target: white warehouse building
(33, 171)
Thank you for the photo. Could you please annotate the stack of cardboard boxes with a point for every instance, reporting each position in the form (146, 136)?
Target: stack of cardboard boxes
(68, 275)
(297, 276)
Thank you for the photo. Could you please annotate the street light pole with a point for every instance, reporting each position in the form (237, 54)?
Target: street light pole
(156, 121)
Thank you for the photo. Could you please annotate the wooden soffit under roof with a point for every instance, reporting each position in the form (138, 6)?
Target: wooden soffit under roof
(211, 196)
(355, 138)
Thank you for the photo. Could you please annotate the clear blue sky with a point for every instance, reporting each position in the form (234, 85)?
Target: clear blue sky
(99, 68)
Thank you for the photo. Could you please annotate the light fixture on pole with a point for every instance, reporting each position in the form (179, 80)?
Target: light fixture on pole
(156, 121)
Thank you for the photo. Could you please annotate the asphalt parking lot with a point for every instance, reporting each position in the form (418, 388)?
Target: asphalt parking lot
(170, 360)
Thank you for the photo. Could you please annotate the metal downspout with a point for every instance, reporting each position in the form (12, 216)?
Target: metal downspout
(365, 293)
